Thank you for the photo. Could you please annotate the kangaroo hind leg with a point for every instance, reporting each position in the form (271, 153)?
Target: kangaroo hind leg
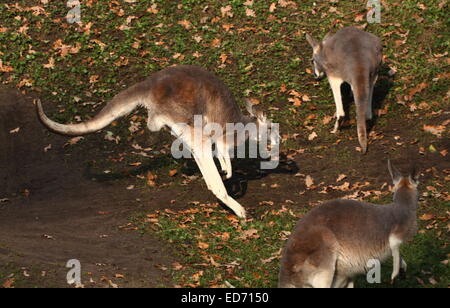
(324, 259)
(205, 160)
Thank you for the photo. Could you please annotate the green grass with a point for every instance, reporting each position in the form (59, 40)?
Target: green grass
(215, 246)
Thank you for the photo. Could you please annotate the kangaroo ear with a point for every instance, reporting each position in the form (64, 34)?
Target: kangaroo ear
(395, 174)
(327, 36)
(415, 175)
(260, 114)
(314, 43)
(255, 111)
(250, 107)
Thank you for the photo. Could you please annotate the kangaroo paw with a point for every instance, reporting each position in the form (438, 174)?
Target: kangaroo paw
(337, 125)
(339, 122)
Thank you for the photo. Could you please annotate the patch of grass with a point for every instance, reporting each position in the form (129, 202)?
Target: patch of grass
(214, 247)
(13, 276)
(425, 257)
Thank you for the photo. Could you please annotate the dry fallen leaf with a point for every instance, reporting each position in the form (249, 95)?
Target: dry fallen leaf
(343, 187)
(203, 245)
(216, 43)
(309, 181)
(151, 179)
(426, 217)
(14, 131)
(341, 177)
(197, 276)
(161, 267)
(269, 260)
(250, 12)
(9, 283)
(249, 234)
(272, 7)
(186, 24)
(297, 101)
(223, 58)
(153, 9)
(5, 68)
(94, 79)
(417, 90)
(306, 98)
(360, 17)
(73, 141)
(225, 236)
(435, 130)
(177, 266)
(50, 64)
(327, 120)
(227, 11)
(312, 136)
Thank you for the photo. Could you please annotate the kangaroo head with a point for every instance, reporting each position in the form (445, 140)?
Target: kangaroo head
(317, 59)
(410, 182)
(266, 129)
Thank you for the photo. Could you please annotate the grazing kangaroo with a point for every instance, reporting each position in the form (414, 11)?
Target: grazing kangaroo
(352, 56)
(173, 98)
(334, 242)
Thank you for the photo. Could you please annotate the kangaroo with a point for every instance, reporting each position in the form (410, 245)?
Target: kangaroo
(334, 242)
(352, 56)
(173, 98)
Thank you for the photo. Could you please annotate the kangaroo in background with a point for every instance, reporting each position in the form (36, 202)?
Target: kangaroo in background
(335, 241)
(173, 97)
(352, 56)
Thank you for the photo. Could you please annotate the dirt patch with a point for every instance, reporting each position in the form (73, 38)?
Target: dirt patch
(54, 213)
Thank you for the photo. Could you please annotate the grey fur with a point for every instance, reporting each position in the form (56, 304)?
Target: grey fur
(333, 243)
(352, 56)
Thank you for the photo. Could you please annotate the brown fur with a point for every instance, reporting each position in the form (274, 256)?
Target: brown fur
(349, 233)
(174, 96)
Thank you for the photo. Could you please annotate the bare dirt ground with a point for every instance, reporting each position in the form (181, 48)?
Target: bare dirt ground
(55, 211)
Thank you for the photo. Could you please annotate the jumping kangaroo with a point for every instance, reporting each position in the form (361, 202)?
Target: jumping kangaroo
(334, 242)
(352, 56)
(173, 98)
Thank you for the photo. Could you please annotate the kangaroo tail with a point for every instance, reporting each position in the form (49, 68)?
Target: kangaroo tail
(362, 103)
(120, 106)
